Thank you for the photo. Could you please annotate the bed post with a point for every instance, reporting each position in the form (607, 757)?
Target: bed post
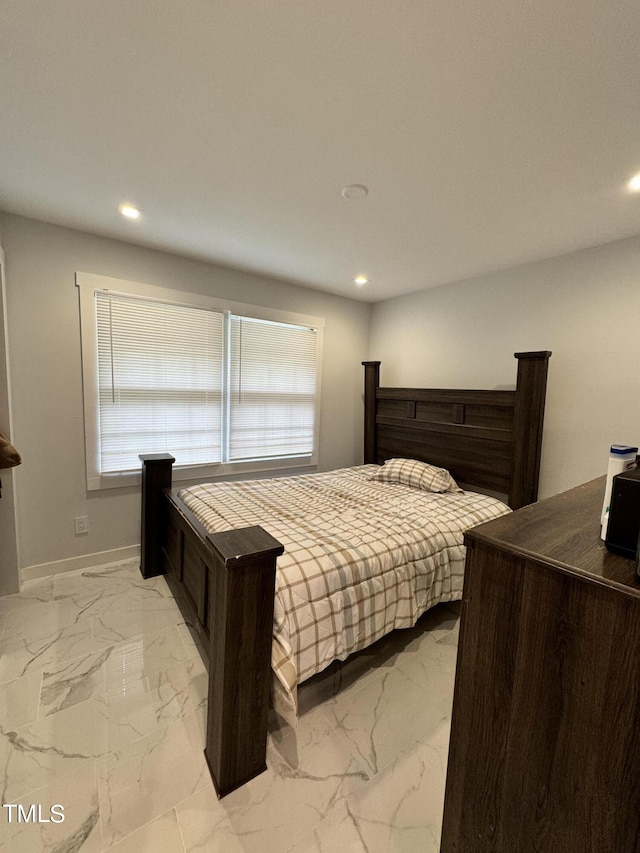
(156, 476)
(241, 596)
(371, 385)
(528, 418)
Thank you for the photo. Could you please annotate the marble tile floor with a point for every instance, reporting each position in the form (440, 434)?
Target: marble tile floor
(102, 712)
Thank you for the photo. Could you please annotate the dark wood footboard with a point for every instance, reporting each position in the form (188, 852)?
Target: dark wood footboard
(224, 585)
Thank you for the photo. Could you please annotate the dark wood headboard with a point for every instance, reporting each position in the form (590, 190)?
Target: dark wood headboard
(488, 439)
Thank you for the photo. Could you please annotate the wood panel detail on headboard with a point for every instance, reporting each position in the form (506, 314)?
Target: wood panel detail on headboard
(488, 439)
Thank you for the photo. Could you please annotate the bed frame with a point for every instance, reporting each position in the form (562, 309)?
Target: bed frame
(224, 582)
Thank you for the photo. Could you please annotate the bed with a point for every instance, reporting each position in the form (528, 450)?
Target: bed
(262, 634)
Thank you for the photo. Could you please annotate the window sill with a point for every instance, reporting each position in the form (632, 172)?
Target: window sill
(203, 473)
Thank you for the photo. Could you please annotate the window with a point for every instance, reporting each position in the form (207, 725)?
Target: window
(222, 387)
(272, 389)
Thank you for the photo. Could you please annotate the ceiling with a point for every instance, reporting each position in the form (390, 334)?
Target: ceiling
(489, 134)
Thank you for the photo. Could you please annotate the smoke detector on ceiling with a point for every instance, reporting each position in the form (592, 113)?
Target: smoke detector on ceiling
(354, 191)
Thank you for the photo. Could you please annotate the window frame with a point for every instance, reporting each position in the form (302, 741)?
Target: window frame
(88, 284)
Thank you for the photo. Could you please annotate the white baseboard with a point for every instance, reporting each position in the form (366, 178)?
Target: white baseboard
(86, 561)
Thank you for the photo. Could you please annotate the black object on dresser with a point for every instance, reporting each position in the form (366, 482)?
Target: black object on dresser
(545, 741)
(624, 514)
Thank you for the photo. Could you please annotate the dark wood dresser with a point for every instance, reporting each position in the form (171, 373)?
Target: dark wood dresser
(545, 740)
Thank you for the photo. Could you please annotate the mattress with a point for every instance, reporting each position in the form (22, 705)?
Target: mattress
(361, 558)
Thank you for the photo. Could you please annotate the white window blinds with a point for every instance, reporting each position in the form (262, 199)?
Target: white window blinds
(272, 397)
(219, 390)
(159, 381)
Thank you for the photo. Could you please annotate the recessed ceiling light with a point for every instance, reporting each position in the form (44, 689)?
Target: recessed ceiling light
(354, 191)
(634, 184)
(361, 279)
(129, 211)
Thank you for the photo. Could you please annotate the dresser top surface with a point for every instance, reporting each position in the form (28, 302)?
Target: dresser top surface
(563, 532)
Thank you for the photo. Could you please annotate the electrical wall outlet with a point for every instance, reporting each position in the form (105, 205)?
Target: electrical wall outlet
(81, 525)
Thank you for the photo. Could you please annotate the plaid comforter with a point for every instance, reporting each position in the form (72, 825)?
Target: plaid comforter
(361, 558)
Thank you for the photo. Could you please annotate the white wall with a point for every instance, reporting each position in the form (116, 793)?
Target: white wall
(584, 307)
(42, 308)
(9, 575)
